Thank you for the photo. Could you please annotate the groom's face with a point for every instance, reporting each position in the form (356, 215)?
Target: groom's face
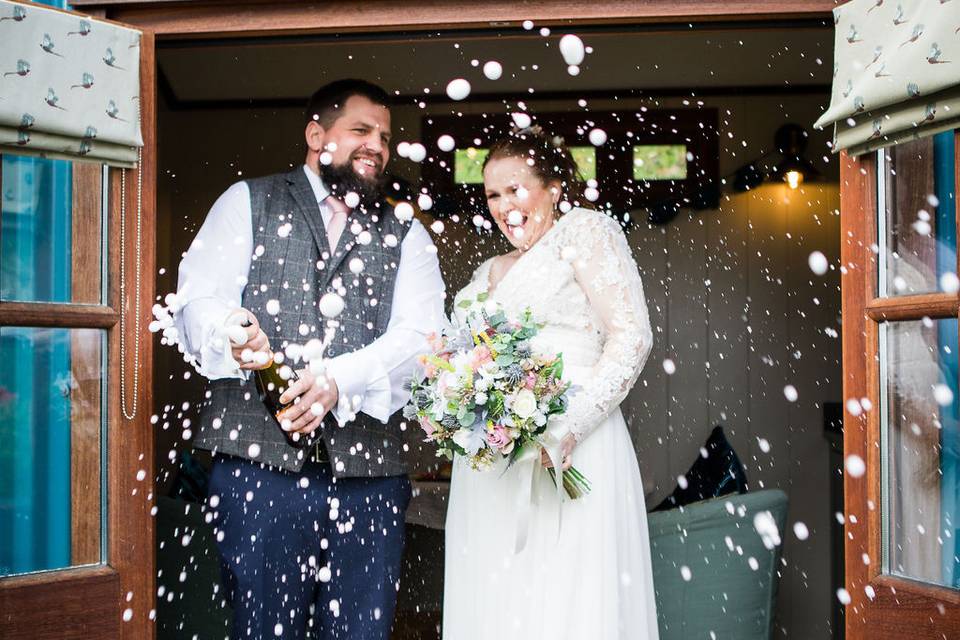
(358, 144)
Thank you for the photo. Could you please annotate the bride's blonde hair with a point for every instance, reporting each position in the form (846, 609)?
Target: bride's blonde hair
(547, 155)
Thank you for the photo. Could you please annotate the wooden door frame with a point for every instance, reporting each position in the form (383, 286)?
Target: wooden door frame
(240, 18)
(921, 610)
(88, 602)
(131, 567)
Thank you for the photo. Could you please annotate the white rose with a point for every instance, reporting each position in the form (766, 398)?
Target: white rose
(524, 404)
(480, 398)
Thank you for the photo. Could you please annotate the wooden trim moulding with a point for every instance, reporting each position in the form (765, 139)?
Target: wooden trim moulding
(930, 305)
(238, 18)
(42, 314)
(131, 546)
(73, 604)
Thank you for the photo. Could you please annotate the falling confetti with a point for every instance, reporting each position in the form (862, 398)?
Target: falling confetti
(855, 466)
(331, 305)
(446, 143)
(597, 137)
(943, 395)
(493, 70)
(458, 89)
(403, 211)
(818, 263)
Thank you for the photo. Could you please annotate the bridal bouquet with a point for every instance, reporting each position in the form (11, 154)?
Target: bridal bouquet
(484, 393)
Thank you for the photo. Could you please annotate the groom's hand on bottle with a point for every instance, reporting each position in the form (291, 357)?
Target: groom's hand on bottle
(312, 396)
(255, 352)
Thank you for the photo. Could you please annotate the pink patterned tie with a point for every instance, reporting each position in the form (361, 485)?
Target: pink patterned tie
(338, 220)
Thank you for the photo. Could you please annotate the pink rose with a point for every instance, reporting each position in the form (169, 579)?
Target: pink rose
(435, 341)
(427, 427)
(499, 438)
(531, 381)
(480, 356)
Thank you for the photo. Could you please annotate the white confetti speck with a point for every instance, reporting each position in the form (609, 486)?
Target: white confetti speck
(253, 450)
(790, 393)
(669, 366)
(493, 70)
(843, 596)
(597, 137)
(521, 120)
(685, 573)
(417, 152)
(571, 48)
(356, 265)
(331, 305)
(273, 307)
(800, 530)
(949, 282)
(352, 199)
(446, 142)
(818, 263)
(403, 211)
(855, 465)
(458, 89)
(943, 395)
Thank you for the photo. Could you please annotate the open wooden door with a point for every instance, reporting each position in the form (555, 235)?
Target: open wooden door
(901, 429)
(75, 392)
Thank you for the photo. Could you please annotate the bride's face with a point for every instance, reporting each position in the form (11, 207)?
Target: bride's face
(520, 203)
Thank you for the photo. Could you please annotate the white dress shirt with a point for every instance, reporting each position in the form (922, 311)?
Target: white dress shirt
(213, 274)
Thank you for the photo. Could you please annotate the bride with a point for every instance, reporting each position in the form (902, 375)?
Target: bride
(583, 572)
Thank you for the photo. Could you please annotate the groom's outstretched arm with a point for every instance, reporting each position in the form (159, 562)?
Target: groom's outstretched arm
(371, 379)
(211, 279)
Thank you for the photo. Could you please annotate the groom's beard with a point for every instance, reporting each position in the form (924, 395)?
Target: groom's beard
(342, 179)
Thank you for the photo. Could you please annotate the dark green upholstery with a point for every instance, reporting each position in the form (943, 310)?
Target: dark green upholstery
(724, 594)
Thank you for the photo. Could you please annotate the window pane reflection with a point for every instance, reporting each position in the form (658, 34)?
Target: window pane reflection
(920, 217)
(50, 223)
(51, 409)
(921, 435)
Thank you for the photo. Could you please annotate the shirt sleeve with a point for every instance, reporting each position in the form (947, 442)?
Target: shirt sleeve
(372, 379)
(210, 283)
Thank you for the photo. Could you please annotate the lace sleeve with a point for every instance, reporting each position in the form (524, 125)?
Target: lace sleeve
(608, 275)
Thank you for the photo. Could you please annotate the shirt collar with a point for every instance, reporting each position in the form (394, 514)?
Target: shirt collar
(320, 190)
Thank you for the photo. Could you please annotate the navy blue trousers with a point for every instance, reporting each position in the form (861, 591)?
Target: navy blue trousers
(305, 554)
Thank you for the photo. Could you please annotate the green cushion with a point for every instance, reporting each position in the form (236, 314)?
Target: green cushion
(724, 595)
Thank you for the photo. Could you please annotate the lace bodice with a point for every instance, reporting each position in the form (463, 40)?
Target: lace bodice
(581, 282)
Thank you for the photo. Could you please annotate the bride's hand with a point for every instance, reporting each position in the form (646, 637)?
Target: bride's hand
(566, 449)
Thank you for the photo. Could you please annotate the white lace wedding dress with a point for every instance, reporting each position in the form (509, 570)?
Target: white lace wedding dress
(594, 580)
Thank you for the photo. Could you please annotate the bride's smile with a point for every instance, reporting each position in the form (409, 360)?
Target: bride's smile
(523, 207)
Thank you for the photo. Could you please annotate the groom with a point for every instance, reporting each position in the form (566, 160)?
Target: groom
(310, 530)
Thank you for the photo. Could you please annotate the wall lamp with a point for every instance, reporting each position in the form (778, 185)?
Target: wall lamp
(793, 168)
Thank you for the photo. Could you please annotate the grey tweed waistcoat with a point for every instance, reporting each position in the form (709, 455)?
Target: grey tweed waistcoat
(294, 266)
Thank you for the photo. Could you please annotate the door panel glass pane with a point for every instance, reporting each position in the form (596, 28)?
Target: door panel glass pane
(51, 426)
(919, 230)
(921, 440)
(50, 230)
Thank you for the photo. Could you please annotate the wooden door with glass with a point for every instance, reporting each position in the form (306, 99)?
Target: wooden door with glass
(76, 267)
(902, 413)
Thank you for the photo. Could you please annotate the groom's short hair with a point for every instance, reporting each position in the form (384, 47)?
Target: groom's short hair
(326, 102)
